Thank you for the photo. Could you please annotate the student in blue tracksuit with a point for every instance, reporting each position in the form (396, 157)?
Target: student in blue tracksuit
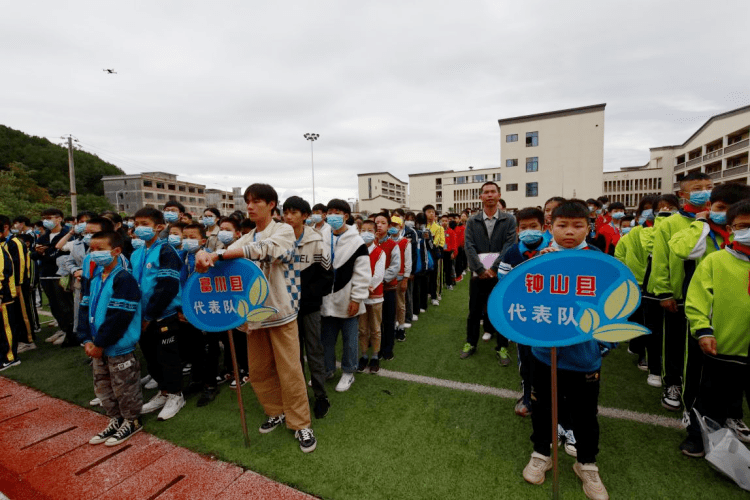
(109, 324)
(157, 267)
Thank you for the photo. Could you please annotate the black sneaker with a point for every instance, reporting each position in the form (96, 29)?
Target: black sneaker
(374, 365)
(125, 432)
(401, 335)
(671, 398)
(321, 407)
(692, 447)
(387, 357)
(111, 430)
(272, 423)
(8, 364)
(209, 394)
(307, 442)
(70, 341)
(362, 364)
(643, 364)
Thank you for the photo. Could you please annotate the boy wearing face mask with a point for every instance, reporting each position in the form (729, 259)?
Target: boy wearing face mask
(667, 279)
(156, 267)
(450, 250)
(318, 217)
(718, 308)
(174, 237)
(612, 230)
(370, 321)
(173, 212)
(109, 324)
(395, 231)
(210, 221)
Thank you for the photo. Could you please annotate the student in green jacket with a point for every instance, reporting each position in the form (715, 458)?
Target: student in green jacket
(718, 308)
(667, 276)
(705, 235)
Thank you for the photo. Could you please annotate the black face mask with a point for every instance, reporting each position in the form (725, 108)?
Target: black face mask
(452, 224)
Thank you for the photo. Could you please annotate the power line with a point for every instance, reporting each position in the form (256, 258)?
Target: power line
(128, 161)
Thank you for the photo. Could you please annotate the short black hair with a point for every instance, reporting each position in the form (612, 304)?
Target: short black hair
(427, 207)
(490, 183)
(179, 225)
(263, 192)
(4, 221)
(156, 216)
(420, 218)
(237, 214)
(557, 199)
(445, 216)
(382, 214)
(672, 199)
(117, 218)
(114, 238)
(400, 212)
(730, 193)
(23, 219)
(604, 199)
(694, 176)
(177, 204)
(230, 220)
(319, 207)
(69, 218)
(196, 225)
(530, 213)
(409, 214)
(741, 208)
(52, 212)
(339, 204)
(616, 205)
(188, 215)
(107, 225)
(85, 213)
(368, 221)
(213, 210)
(591, 201)
(297, 203)
(571, 209)
(503, 204)
(649, 199)
(247, 224)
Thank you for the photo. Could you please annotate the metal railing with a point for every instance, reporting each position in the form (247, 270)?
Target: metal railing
(736, 146)
(713, 154)
(694, 161)
(680, 166)
(735, 170)
(715, 175)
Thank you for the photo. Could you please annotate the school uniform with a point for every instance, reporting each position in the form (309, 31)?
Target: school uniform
(8, 342)
(390, 284)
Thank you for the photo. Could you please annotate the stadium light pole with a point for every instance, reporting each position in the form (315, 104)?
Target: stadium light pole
(312, 138)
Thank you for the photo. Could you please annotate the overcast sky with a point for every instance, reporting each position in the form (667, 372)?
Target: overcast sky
(221, 93)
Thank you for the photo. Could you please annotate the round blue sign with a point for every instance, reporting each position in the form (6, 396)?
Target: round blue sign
(228, 295)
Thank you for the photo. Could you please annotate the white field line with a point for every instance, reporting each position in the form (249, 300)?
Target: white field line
(643, 418)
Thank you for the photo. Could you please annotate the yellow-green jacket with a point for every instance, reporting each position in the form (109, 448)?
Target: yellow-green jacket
(696, 241)
(630, 252)
(668, 271)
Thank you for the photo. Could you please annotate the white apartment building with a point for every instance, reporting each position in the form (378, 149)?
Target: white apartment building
(223, 200)
(557, 153)
(380, 190)
(129, 193)
(629, 184)
(450, 190)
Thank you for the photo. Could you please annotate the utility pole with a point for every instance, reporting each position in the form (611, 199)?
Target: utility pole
(72, 171)
(312, 138)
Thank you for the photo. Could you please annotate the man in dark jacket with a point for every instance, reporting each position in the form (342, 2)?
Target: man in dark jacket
(489, 234)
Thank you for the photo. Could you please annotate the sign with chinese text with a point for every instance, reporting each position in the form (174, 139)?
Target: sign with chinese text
(565, 298)
(228, 295)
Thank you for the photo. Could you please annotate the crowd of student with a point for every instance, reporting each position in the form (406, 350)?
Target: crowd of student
(114, 283)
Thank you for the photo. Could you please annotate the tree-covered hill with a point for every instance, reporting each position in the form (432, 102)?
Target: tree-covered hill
(40, 163)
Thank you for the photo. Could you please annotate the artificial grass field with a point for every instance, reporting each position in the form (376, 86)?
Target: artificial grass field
(386, 438)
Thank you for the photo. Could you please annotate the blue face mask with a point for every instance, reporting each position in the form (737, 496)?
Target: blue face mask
(700, 198)
(80, 228)
(190, 245)
(336, 221)
(309, 222)
(530, 236)
(171, 217)
(718, 217)
(49, 225)
(102, 258)
(742, 236)
(618, 215)
(144, 232)
(392, 231)
(209, 221)
(174, 240)
(37, 232)
(648, 214)
(87, 238)
(367, 237)
(136, 243)
(316, 218)
(130, 223)
(626, 230)
(226, 237)
(14, 231)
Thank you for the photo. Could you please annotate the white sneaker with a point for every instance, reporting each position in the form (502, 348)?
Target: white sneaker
(23, 347)
(435, 302)
(653, 380)
(405, 325)
(739, 427)
(174, 404)
(145, 380)
(155, 403)
(536, 469)
(422, 311)
(347, 379)
(55, 336)
(95, 402)
(59, 340)
(151, 384)
(487, 336)
(414, 317)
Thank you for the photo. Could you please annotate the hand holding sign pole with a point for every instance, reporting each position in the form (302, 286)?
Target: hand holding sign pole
(228, 295)
(562, 299)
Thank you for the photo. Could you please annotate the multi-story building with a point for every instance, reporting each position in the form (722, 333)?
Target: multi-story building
(557, 153)
(450, 190)
(129, 193)
(379, 190)
(223, 200)
(629, 184)
(239, 199)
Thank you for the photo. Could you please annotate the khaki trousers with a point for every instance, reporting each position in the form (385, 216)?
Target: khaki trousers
(400, 305)
(369, 328)
(276, 375)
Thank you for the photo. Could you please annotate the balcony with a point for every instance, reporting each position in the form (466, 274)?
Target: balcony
(694, 161)
(713, 154)
(736, 146)
(714, 175)
(676, 185)
(680, 166)
(735, 170)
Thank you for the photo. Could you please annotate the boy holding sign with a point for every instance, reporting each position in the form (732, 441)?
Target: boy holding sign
(579, 369)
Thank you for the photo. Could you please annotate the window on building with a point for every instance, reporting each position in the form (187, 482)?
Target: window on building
(183, 198)
(480, 178)
(159, 185)
(461, 180)
(192, 199)
(200, 191)
(181, 188)
(148, 196)
(511, 162)
(511, 138)
(147, 183)
(532, 139)
(511, 187)
(191, 190)
(532, 189)
(161, 197)
(532, 164)
(171, 187)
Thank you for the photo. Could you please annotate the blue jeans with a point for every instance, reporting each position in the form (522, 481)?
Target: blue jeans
(349, 328)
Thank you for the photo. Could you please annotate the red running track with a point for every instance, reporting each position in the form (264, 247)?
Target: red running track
(45, 455)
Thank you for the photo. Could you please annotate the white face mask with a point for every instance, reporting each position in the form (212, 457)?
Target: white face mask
(742, 236)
